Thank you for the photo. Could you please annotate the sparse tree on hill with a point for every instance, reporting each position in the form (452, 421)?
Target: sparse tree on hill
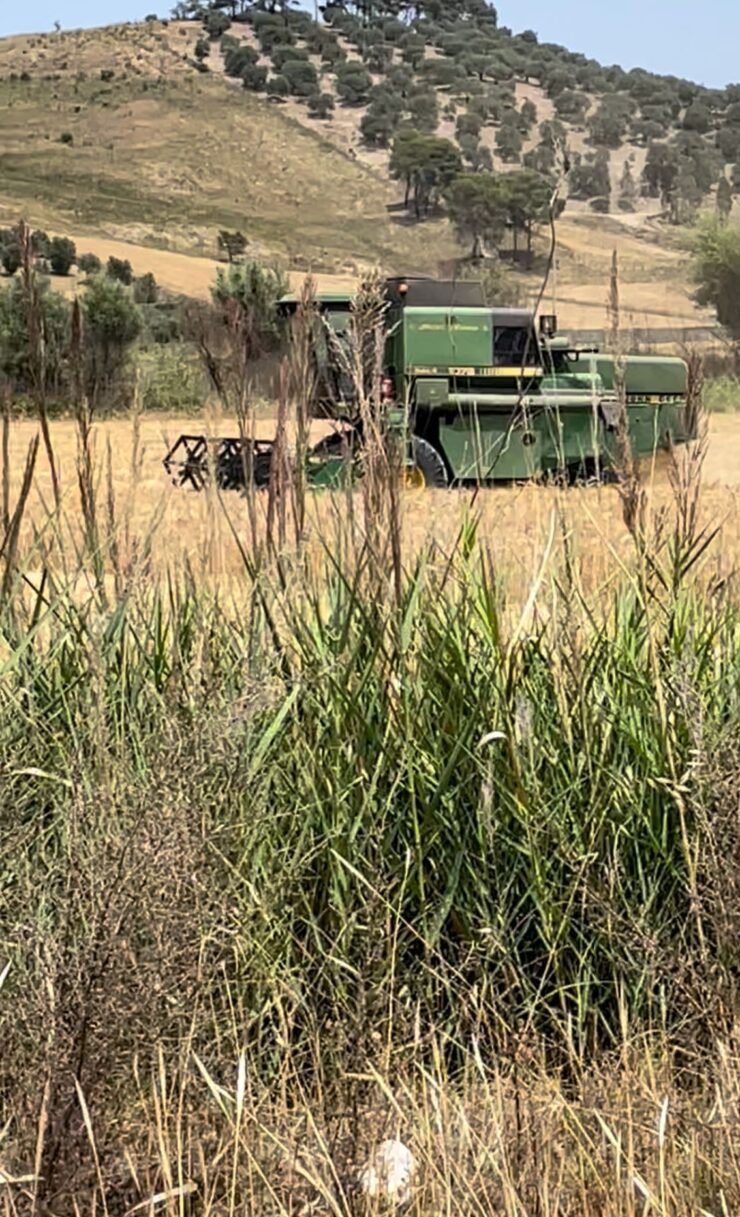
(120, 269)
(426, 165)
(321, 105)
(354, 83)
(145, 289)
(254, 77)
(233, 244)
(202, 49)
(423, 109)
(478, 210)
(62, 254)
(509, 141)
(89, 264)
(215, 24)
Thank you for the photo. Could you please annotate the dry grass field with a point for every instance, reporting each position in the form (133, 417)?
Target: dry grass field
(185, 528)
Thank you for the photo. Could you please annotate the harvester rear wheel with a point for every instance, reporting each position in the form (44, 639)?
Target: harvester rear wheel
(427, 465)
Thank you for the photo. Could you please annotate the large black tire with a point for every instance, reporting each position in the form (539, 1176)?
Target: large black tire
(429, 463)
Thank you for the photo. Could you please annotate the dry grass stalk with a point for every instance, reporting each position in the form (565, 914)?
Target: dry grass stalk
(36, 349)
(631, 490)
(303, 388)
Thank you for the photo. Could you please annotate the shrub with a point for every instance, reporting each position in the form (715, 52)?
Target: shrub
(62, 254)
(10, 251)
(112, 324)
(40, 243)
(301, 77)
(119, 269)
(216, 24)
(281, 53)
(321, 105)
(353, 83)
(145, 289)
(237, 58)
(254, 77)
(171, 380)
(89, 264)
(107, 74)
(66, 138)
(277, 86)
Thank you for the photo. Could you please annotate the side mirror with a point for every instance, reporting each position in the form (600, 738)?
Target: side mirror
(548, 325)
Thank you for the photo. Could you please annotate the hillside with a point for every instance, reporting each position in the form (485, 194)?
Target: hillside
(118, 135)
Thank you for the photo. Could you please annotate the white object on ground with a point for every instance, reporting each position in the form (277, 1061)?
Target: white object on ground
(389, 1173)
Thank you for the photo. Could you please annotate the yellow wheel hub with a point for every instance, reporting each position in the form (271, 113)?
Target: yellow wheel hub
(413, 478)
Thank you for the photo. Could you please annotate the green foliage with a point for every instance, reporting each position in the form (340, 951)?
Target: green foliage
(172, 380)
(145, 289)
(62, 255)
(378, 124)
(10, 250)
(120, 269)
(89, 264)
(571, 106)
(252, 292)
(111, 323)
(608, 126)
(40, 244)
(321, 105)
(281, 53)
(422, 109)
(254, 77)
(15, 363)
(277, 86)
(216, 24)
(232, 244)
(426, 165)
(509, 142)
(301, 77)
(353, 83)
(66, 138)
(476, 205)
(590, 177)
(697, 118)
(202, 49)
(237, 58)
(378, 58)
(716, 248)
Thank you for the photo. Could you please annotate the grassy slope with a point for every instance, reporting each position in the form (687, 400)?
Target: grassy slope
(163, 157)
(166, 157)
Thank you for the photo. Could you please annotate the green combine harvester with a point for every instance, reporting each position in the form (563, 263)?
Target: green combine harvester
(473, 394)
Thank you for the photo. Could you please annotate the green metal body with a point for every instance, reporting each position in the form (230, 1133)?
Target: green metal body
(498, 402)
